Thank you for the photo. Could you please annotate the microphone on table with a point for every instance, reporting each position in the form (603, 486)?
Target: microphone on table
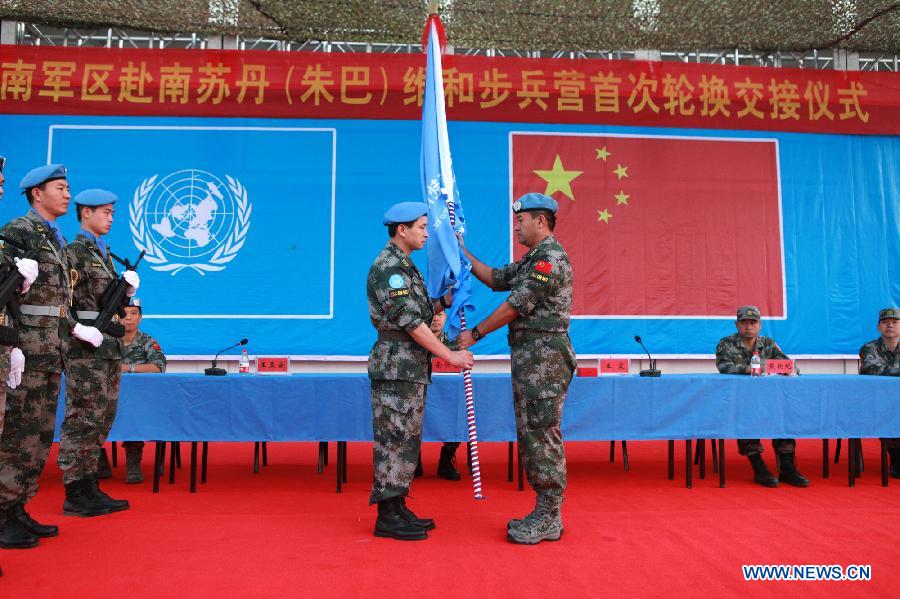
(652, 371)
(213, 370)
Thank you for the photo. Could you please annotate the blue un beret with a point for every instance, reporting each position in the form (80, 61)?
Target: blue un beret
(95, 197)
(405, 212)
(42, 174)
(535, 201)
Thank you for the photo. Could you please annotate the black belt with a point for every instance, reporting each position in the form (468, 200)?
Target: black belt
(394, 336)
(518, 336)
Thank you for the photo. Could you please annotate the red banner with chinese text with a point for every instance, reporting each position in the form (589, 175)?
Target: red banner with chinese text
(45, 80)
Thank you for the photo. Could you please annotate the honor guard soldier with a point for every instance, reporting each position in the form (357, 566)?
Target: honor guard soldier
(142, 354)
(12, 361)
(92, 371)
(543, 362)
(881, 357)
(400, 368)
(733, 356)
(44, 329)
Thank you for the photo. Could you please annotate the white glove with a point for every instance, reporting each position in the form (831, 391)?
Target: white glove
(133, 280)
(28, 268)
(16, 367)
(89, 334)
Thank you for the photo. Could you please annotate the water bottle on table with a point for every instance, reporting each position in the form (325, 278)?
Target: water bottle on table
(244, 364)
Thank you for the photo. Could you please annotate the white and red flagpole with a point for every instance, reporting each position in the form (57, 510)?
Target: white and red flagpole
(433, 40)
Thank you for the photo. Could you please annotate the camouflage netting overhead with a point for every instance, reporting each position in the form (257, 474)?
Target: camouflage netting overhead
(569, 25)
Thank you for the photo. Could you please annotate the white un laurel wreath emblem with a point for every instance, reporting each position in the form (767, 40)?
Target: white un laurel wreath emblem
(189, 219)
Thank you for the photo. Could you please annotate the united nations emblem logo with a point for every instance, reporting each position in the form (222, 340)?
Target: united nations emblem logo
(189, 219)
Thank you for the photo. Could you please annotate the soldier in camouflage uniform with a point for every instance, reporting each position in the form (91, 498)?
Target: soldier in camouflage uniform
(12, 360)
(92, 373)
(399, 368)
(542, 359)
(881, 357)
(142, 354)
(45, 329)
(733, 355)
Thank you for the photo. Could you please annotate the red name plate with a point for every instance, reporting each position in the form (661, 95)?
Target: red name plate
(440, 365)
(273, 364)
(587, 371)
(614, 366)
(779, 367)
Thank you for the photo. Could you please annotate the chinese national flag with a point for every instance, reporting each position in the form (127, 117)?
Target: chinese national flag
(661, 226)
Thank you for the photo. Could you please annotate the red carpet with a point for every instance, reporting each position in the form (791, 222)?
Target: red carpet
(285, 532)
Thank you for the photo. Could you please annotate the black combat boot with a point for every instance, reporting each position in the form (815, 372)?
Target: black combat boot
(447, 464)
(15, 535)
(787, 471)
(80, 500)
(103, 468)
(133, 455)
(114, 505)
(392, 524)
(761, 474)
(423, 523)
(31, 525)
(894, 452)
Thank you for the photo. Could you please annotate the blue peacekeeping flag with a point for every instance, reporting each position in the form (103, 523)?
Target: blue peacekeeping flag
(448, 267)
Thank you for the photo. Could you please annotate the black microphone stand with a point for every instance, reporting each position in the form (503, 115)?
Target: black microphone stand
(652, 371)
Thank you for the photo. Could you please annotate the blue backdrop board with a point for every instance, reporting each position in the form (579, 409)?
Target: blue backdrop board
(265, 228)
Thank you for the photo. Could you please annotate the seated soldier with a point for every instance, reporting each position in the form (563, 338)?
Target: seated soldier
(142, 354)
(881, 357)
(733, 356)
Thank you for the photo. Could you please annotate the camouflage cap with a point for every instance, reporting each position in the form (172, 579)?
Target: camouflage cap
(888, 313)
(748, 313)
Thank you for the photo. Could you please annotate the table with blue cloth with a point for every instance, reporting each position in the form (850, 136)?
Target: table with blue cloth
(336, 407)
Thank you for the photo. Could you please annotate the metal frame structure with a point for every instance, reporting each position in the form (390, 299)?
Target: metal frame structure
(31, 34)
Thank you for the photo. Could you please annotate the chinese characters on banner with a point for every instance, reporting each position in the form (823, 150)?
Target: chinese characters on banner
(42, 80)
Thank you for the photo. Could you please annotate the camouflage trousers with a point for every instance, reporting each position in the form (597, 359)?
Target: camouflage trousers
(92, 393)
(542, 370)
(751, 446)
(397, 410)
(27, 435)
(4, 374)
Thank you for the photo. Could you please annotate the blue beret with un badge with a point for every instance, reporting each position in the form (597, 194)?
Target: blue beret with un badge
(405, 212)
(535, 201)
(95, 197)
(42, 174)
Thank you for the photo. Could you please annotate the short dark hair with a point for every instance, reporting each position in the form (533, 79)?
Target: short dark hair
(78, 208)
(548, 216)
(392, 228)
(28, 191)
(139, 309)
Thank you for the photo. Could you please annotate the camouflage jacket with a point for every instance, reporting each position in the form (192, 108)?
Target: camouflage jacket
(144, 349)
(6, 268)
(91, 275)
(44, 339)
(398, 303)
(733, 357)
(541, 288)
(878, 359)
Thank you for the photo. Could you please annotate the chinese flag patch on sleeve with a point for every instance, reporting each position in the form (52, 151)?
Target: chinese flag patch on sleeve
(543, 266)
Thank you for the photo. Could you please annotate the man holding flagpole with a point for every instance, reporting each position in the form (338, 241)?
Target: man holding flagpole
(400, 368)
(541, 357)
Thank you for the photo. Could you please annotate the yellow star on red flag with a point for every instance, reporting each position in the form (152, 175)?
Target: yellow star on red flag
(558, 179)
(604, 215)
(621, 171)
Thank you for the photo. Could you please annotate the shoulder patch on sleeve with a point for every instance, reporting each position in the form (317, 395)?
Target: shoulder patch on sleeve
(543, 266)
(156, 346)
(396, 282)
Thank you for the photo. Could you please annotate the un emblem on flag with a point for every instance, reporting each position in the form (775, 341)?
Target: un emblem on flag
(189, 219)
